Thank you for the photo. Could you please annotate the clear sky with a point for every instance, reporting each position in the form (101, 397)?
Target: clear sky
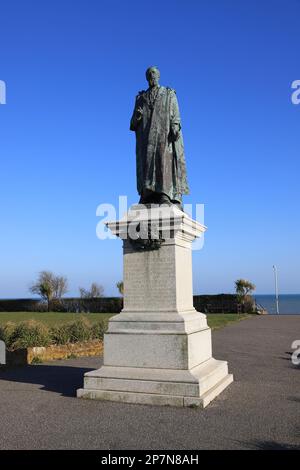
(72, 69)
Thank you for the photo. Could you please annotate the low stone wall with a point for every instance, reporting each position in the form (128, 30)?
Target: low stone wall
(55, 351)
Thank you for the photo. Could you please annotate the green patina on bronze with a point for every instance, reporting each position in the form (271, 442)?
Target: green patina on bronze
(160, 160)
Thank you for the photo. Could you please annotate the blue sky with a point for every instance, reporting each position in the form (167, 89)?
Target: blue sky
(72, 70)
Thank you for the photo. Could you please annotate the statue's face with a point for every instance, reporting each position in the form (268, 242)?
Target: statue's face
(153, 76)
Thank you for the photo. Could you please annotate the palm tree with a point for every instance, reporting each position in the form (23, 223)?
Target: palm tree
(120, 286)
(243, 288)
(50, 287)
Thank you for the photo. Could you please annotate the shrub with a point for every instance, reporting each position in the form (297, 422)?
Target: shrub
(80, 330)
(32, 333)
(99, 328)
(60, 334)
(74, 332)
(6, 333)
(28, 334)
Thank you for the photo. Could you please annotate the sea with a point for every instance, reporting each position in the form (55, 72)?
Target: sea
(289, 304)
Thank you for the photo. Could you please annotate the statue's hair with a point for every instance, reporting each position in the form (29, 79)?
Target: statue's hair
(152, 67)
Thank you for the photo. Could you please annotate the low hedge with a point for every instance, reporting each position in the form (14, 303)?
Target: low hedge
(33, 333)
(221, 303)
(71, 304)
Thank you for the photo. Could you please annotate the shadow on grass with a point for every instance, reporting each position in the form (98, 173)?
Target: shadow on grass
(54, 378)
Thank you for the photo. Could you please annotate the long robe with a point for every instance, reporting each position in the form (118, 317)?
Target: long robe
(160, 160)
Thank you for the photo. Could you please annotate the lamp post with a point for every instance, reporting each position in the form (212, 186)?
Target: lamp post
(276, 289)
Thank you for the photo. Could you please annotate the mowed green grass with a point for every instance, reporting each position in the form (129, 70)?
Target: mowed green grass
(215, 320)
(51, 318)
(218, 320)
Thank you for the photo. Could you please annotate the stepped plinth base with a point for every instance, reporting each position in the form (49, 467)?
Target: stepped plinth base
(193, 388)
(157, 351)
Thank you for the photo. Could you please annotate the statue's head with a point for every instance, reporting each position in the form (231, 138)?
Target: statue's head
(152, 75)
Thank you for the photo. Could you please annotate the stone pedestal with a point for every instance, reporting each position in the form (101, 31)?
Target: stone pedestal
(158, 349)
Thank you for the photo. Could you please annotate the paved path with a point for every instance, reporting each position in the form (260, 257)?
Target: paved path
(260, 410)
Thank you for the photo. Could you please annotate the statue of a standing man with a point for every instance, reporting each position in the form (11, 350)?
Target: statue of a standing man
(160, 161)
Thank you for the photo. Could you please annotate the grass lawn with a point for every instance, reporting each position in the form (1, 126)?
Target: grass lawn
(50, 318)
(215, 320)
(218, 320)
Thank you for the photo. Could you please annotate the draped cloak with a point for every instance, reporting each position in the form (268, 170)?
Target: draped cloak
(160, 160)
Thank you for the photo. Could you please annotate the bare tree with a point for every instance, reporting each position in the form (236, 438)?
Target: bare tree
(95, 291)
(60, 286)
(49, 287)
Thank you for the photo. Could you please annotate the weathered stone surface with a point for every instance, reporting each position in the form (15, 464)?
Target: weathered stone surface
(158, 349)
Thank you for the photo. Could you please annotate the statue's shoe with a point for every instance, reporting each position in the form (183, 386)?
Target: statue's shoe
(178, 204)
(164, 199)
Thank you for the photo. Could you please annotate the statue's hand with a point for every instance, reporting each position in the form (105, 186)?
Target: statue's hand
(176, 135)
(175, 132)
(139, 113)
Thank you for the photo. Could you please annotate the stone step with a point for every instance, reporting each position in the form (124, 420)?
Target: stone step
(141, 386)
(156, 399)
(211, 375)
(213, 392)
(194, 382)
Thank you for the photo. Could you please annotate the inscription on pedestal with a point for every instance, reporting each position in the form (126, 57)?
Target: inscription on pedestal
(149, 280)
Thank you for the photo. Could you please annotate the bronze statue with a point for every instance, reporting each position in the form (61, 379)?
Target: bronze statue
(160, 161)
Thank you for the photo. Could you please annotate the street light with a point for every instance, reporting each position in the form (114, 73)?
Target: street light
(276, 289)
